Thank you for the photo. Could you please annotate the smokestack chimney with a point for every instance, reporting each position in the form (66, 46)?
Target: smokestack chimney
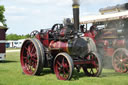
(76, 14)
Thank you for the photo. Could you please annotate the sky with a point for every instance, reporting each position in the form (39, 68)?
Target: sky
(24, 16)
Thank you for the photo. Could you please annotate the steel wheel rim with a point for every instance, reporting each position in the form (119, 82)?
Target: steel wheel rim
(62, 68)
(93, 68)
(29, 59)
(120, 61)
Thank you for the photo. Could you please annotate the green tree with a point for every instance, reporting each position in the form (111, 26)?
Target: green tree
(2, 17)
(16, 37)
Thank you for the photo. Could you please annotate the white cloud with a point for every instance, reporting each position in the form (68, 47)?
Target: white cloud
(15, 10)
(15, 18)
(36, 12)
(34, 1)
(42, 2)
(100, 2)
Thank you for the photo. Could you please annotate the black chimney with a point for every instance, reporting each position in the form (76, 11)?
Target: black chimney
(76, 14)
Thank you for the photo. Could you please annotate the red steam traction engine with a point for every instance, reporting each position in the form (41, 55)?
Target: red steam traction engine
(109, 31)
(61, 48)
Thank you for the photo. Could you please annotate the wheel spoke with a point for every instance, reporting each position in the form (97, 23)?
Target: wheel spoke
(117, 58)
(63, 62)
(60, 69)
(121, 55)
(32, 50)
(122, 68)
(64, 71)
(34, 55)
(29, 49)
(35, 60)
(116, 61)
(58, 63)
(95, 63)
(25, 59)
(125, 59)
(91, 71)
(26, 48)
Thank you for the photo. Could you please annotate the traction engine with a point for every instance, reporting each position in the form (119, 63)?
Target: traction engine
(110, 35)
(61, 48)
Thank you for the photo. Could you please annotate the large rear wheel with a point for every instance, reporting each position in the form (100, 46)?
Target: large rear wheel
(63, 66)
(31, 57)
(94, 68)
(120, 60)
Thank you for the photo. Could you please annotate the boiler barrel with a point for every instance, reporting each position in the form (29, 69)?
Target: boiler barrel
(77, 47)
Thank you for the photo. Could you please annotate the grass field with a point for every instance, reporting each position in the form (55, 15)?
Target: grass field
(11, 74)
(12, 48)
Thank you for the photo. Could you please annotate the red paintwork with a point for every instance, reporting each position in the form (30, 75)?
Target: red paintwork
(119, 43)
(45, 40)
(62, 32)
(109, 51)
(59, 45)
(91, 35)
(82, 62)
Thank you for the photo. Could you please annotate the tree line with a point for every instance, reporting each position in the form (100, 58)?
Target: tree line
(16, 37)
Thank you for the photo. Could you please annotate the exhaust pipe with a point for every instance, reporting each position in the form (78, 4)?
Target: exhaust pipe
(76, 14)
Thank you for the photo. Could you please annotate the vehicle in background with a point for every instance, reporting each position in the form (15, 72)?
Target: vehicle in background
(14, 43)
(109, 32)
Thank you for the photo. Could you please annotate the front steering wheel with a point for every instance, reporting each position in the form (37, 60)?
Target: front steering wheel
(34, 33)
(57, 27)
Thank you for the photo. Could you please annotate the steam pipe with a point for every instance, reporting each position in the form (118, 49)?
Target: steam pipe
(76, 14)
(114, 8)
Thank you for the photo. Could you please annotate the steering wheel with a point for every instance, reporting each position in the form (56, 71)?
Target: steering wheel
(55, 30)
(56, 27)
(34, 33)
